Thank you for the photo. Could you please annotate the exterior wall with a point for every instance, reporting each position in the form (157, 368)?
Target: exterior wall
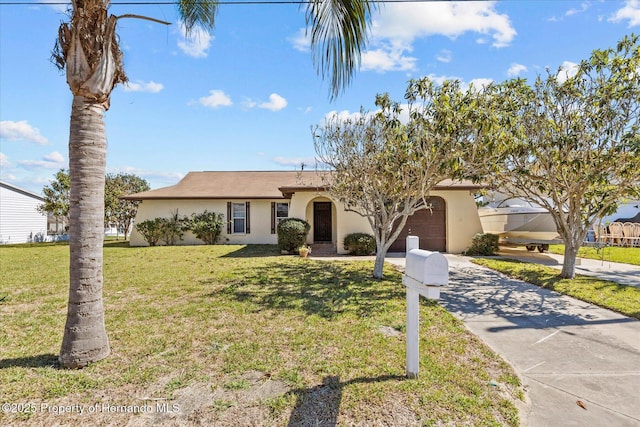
(463, 221)
(462, 218)
(20, 221)
(260, 219)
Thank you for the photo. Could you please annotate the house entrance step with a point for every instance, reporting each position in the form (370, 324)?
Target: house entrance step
(323, 249)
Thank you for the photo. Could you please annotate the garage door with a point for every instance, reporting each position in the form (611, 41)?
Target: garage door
(429, 225)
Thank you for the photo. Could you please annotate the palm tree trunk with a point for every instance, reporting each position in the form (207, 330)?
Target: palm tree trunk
(85, 338)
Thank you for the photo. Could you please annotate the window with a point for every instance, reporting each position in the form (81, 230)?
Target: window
(279, 211)
(282, 211)
(238, 217)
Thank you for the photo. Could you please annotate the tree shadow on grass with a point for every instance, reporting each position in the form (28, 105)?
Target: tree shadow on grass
(325, 289)
(39, 361)
(116, 244)
(320, 405)
(254, 251)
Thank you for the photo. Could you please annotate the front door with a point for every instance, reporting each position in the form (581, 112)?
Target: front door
(322, 222)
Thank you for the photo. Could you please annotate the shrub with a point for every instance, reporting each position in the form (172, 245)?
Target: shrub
(292, 233)
(173, 228)
(151, 230)
(483, 244)
(360, 243)
(206, 226)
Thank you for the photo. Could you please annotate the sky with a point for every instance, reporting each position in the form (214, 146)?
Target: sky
(247, 96)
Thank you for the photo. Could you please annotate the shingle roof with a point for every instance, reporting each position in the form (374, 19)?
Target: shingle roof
(253, 185)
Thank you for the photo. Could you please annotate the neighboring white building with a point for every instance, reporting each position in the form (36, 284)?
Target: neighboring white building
(20, 221)
(254, 202)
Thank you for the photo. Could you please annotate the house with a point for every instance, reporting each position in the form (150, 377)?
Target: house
(20, 221)
(254, 201)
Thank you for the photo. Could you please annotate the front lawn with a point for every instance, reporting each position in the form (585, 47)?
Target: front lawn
(614, 296)
(232, 335)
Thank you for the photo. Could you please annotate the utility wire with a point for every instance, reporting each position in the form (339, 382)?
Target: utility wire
(236, 2)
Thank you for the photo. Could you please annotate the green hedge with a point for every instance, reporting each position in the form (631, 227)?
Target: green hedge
(292, 233)
(360, 244)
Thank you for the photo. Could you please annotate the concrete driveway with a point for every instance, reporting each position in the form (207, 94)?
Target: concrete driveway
(567, 352)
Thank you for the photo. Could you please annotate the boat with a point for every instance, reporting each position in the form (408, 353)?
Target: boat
(519, 222)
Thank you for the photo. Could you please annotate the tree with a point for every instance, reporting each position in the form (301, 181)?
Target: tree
(383, 169)
(117, 210)
(87, 48)
(571, 144)
(56, 197)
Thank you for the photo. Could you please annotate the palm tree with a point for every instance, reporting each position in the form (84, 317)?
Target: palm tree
(87, 48)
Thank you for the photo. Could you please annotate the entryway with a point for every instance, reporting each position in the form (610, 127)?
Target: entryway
(322, 222)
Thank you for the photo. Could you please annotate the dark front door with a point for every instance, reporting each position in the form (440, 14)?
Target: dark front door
(322, 221)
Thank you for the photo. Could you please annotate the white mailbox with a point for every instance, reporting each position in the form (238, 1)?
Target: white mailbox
(425, 272)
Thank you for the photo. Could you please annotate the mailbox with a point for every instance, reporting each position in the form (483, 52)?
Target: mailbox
(425, 272)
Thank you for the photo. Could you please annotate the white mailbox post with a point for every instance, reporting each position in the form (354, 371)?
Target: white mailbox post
(425, 272)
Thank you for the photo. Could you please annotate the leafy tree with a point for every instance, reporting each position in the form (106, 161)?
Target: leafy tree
(56, 197)
(570, 144)
(88, 49)
(206, 226)
(117, 210)
(383, 169)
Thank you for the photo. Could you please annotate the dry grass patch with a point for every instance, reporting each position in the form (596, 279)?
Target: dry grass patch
(233, 335)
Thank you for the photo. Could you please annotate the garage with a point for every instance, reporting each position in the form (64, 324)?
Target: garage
(430, 225)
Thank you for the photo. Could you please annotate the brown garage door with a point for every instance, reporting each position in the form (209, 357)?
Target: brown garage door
(429, 225)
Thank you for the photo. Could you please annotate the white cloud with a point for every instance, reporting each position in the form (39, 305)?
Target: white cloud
(567, 70)
(388, 58)
(196, 44)
(139, 86)
(575, 11)
(21, 131)
(53, 160)
(630, 12)
(516, 69)
(276, 103)
(4, 161)
(398, 25)
(444, 56)
(408, 21)
(216, 98)
(301, 41)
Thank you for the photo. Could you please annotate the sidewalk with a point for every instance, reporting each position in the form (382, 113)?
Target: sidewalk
(566, 351)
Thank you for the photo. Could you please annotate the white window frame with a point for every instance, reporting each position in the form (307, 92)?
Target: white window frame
(280, 218)
(234, 218)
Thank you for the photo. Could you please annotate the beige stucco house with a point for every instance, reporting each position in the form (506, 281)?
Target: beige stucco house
(253, 202)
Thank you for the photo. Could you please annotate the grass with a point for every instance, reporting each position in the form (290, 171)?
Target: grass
(623, 299)
(607, 253)
(235, 335)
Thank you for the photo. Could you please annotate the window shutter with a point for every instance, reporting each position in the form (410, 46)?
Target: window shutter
(248, 222)
(273, 217)
(228, 217)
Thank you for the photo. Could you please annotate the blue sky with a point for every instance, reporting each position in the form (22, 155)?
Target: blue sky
(246, 96)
